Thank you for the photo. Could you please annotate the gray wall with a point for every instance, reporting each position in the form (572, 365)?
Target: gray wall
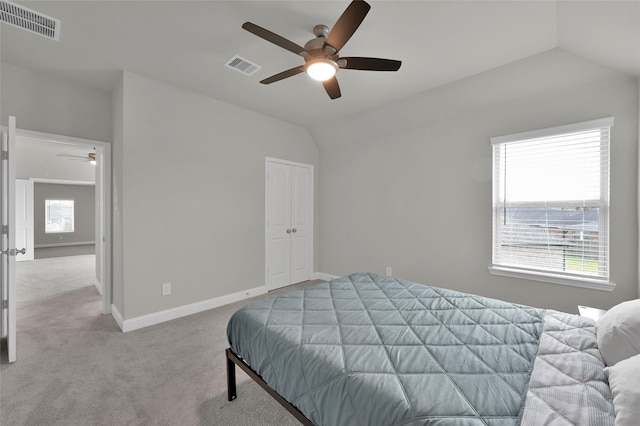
(189, 173)
(117, 240)
(84, 213)
(409, 185)
(48, 103)
(190, 194)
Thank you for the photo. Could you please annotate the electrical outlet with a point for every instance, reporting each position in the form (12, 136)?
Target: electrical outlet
(389, 271)
(166, 289)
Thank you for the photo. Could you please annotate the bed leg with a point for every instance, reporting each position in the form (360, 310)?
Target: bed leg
(231, 377)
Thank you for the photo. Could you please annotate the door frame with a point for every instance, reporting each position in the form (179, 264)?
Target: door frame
(8, 311)
(267, 252)
(103, 178)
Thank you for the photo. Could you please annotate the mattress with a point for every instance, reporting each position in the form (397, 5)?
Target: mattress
(375, 350)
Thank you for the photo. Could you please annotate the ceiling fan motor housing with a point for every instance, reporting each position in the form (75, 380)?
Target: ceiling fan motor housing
(316, 47)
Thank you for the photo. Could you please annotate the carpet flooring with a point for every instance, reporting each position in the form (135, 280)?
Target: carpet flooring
(75, 367)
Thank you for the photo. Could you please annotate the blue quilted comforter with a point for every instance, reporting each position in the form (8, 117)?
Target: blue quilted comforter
(375, 350)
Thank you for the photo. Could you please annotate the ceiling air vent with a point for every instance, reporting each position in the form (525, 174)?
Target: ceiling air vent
(30, 20)
(242, 65)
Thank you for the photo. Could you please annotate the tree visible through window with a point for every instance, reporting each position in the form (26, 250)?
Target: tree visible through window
(59, 216)
(551, 201)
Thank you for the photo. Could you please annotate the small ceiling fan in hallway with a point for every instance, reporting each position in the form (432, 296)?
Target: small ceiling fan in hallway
(90, 157)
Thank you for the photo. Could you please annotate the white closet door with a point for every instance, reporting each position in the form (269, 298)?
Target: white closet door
(301, 224)
(289, 223)
(278, 220)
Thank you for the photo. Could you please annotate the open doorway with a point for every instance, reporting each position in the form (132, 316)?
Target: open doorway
(71, 214)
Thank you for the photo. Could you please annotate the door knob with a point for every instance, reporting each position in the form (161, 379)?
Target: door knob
(294, 230)
(288, 231)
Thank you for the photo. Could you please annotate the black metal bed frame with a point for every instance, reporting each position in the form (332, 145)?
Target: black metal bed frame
(232, 361)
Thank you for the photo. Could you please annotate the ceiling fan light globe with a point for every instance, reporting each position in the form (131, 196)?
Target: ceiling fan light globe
(321, 69)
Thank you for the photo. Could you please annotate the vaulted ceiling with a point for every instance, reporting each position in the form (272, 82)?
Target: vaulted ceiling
(186, 43)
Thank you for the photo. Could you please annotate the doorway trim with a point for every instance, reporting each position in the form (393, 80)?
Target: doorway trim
(103, 158)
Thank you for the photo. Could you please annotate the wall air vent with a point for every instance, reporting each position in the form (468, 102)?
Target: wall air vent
(30, 20)
(242, 65)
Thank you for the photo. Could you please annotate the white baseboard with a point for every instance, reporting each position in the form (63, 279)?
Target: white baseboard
(80, 243)
(323, 276)
(183, 311)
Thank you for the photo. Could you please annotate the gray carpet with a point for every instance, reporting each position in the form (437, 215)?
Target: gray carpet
(44, 278)
(75, 367)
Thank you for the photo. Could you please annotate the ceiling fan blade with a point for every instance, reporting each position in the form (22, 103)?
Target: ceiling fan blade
(274, 38)
(282, 75)
(347, 24)
(332, 88)
(369, 64)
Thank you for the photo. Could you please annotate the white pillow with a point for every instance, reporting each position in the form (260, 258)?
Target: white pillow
(624, 378)
(618, 332)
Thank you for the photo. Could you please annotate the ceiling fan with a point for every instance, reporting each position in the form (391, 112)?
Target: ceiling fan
(321, 54)
(90, 157)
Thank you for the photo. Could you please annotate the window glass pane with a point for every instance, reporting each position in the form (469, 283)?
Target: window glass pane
(59, 216)
(552, 239)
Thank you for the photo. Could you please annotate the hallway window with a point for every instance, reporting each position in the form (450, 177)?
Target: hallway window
(58, 216)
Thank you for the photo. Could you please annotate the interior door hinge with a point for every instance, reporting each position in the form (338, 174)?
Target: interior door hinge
(5, 304)
(5, 229)
(5, 155)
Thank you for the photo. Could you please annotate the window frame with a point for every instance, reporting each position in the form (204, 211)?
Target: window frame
(531, 273)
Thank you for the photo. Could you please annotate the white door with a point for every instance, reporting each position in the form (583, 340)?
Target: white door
(289, 223)
(278, 202)
(301, 226)
(24, 218)
(8, 272)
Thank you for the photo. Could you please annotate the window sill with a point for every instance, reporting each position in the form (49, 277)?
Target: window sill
(552, 278)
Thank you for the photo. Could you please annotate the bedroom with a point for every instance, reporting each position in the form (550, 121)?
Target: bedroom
(427, 151)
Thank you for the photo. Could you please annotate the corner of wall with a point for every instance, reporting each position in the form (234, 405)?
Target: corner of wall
(117, 246)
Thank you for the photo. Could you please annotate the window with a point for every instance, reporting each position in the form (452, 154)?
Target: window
(58, 216)
(551, 204)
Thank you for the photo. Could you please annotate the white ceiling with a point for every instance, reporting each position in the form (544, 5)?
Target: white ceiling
(186, 43)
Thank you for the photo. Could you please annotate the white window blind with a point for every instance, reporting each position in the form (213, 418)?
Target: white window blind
(551, 201)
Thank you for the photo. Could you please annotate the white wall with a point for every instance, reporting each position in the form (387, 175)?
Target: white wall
(191, 194)
(409, 185)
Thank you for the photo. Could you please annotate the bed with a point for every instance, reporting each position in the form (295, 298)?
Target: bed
(368, 349)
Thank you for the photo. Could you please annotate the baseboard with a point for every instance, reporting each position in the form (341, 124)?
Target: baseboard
(80, 243)
(183, 311)
(186, 310)
(323, 276)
